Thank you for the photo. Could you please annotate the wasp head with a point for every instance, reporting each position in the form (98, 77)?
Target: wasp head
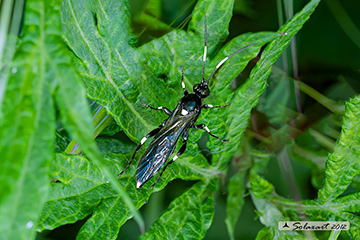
(201, 90)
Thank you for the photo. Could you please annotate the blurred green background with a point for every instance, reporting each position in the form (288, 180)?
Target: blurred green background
(291, 115)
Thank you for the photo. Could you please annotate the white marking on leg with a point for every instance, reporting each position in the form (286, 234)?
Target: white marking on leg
(221, 62)
(207, 129)
(205, 51)
(183, 84)
(210, 106)
(175, 157)
(184, 112)
(159, 108)
(143, 140)
(138, 185)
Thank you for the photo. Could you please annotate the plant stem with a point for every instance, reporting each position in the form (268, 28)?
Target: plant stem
(320, 98)
(101, 119)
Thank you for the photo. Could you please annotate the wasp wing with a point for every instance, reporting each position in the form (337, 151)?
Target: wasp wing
(159, 150)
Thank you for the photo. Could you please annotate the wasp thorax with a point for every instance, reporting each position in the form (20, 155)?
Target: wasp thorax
(189, 106)
(202, 90)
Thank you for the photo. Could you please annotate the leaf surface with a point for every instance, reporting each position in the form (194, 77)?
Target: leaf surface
(218, 16)
(27, 124)
(119, 77)
(98, 32)
(82, 190)
(270, 215)
(248, 95)
(344, 163)
(187, 217)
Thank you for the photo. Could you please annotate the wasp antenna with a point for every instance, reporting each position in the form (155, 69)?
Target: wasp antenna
(205, 51)
(225, 59)
(182, 81)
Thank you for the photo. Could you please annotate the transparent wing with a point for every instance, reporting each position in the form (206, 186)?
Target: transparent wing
(154, 158)
(161, 147)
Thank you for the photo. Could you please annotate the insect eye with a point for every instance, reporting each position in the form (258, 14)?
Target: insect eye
(201, 90)
(206, 92)
(196, 88)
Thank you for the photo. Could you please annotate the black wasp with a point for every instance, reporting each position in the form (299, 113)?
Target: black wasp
(177, 125)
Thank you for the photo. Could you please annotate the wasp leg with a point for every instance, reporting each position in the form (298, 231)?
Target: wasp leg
(181, 151)
(151, 134)
(182, 81)
(166, 110)
(206, 106)
(203, 126)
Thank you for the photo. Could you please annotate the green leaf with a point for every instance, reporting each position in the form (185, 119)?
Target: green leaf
(218, 16)
(120, 77)
(111, 129)
(82, 189)
(153, 7)
(248, 95)
(273, 209)
(262, 195)
(41, 69)
(274, 50)
(343, 164)
(60, 142)
(234, 119)
(341, 209)
(266, 233)
(101, 122)
(177, 223)
(111, 211)
(235, 201)
(5, 64)
(218, 120)
(110, 145)
(98, 32)
(27, 127)
(260, 187)
(151, 22)
(77, 192)
(74, 109)
(259, 162)
(177, 46)
(76, 117)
